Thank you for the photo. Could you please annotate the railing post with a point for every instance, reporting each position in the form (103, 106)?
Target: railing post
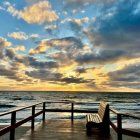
(13, 121)
(33, 119)
(72, 113)
(43, 117)
(119, 126)
(108, 121)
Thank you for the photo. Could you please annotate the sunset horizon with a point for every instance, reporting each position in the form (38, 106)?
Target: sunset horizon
(67, 45)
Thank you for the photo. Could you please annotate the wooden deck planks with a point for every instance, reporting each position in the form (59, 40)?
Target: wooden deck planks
(62, 130)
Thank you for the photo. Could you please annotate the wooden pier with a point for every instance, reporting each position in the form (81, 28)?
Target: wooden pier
(63, 129)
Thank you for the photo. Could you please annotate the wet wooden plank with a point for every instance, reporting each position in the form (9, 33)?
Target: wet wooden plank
(62, 130)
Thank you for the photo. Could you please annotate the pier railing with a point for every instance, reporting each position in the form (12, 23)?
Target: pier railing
(119, 129)
(14, 124)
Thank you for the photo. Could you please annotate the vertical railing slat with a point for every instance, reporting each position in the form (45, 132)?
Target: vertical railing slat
(13, 121)
(72, 113)
(119, 125)
(33, 119)
(44, 106)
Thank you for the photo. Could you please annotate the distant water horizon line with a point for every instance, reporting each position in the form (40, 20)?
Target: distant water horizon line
(69, 91)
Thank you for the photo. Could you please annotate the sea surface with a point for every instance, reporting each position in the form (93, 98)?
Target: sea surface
(124, 102)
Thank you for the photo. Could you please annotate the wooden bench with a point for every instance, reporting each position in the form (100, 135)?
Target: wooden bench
(100, 119)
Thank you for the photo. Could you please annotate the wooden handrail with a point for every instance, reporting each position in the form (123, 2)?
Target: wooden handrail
(130, 115)
(71, 102)
(15, 124)
(19, 109)
(124, 114)
(9, 128)
(69, 110)
(131, 133)
(72, 110)
(22, 108)
(114, 111)
(119, 128)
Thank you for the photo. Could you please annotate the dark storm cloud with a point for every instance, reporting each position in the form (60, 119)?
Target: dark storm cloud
(80, 70)
(73, 79)
(44, 75)
(117, 29)
(33, 62)
(103, 56)
(63, 50)
(9, 73)
(47, 64)
(58, 78)
(10, 53)
(67, 44)
(129, 76)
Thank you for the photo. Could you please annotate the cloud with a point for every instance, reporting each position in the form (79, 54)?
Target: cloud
(44, 75)
(76, 24)
(126, 77)
(10, 73)
(33, 36)
(4, 43)
(11, 53)
(19, 48)
(40, 49)
(78, 5)
(57, 78)
(18, 35)
(30, 61)
(81, 70)
(63, 50)
(43, 65)
(50, 28)
(116, 29)
(89, 1)
(22, 35)
(2, 8)
(102, 57)
(76, 21)
(67, 44)
(37, 13)
(76, 80)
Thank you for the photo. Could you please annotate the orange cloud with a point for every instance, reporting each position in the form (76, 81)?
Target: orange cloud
(4, 43)
(37, 13)
(22, 35)
(18, 35)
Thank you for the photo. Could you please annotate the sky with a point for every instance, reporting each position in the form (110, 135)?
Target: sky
(70, 45)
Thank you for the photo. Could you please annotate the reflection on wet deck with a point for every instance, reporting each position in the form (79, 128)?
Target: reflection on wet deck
(62, 130)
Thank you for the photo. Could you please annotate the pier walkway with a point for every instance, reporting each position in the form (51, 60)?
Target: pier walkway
(62, 130)
(71, 129)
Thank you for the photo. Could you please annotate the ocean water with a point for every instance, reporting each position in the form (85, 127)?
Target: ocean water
(124, 102)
